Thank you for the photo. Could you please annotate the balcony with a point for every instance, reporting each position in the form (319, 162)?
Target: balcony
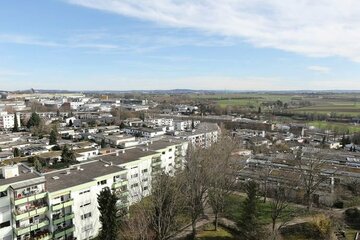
(29, 197)
(32, 227)
(64, 231)
(61, 205)
(40, 235)
(63, 218)
(156, 161)
(119, 184)
(33, 210)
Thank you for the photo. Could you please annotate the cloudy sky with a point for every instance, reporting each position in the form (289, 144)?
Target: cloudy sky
(167, 44)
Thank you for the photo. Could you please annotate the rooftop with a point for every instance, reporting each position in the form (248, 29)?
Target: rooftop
(87, 172)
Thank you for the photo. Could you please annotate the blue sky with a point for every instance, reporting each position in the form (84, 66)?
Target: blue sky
(167, 44)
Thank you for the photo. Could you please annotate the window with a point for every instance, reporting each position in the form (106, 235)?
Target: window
(86, 215)
(134, 175)
(134, 185)
(170, 149)
(5, 224)
(144, 170)
(85, 204)
(3, 194)
(145, 188)
(83, 192)
(102, 182)
(163, 152)
(145, 180)
(87, 227)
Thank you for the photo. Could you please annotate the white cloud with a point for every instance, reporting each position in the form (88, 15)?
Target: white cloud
(36, 41)
(319, 69)
(11, 73)
(314, 28)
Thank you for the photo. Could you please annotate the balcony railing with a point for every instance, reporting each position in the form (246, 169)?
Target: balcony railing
(35, 195)
(31, 227)
(62, 218)
(33, 211)
(120, 183)
(60, 232)
(61, 205)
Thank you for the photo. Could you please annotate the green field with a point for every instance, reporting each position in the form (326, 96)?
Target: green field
(338, 127)
(340, 108)
(341, 104)
(209, 233)
(233, 210)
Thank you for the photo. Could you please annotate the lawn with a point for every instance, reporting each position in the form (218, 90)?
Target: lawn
(209, 233)
(233, 210)
(350, 234)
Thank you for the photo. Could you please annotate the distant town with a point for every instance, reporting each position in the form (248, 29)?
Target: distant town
(291, 158)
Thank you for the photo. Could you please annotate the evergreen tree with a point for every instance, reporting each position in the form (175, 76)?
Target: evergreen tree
(16, 124)
(70, 123)
(34, 120)
(108, 215)
(53, 137)
(103, 143)
(192, 124)
(16, 152)
(249, 223)
(67, 155)
(37, 165)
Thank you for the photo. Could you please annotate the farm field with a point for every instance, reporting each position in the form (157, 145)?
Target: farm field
(339, 127)
(340, 108)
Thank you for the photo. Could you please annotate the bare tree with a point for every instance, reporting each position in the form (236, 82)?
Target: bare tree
(195, 177)
(136, 227)
(166, 203)
(222, 173)
(264, 178)
(312, 174)
(278, 204)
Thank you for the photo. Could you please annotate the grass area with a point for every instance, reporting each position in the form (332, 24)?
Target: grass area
(339, 127)
(350, 234)
(233, 210)
(209, 233)
(340, 108)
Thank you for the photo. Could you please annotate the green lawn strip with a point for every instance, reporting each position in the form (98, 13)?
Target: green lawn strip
(233, 209)
(209, 233)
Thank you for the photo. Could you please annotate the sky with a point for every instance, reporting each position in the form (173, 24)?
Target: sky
(180, 44)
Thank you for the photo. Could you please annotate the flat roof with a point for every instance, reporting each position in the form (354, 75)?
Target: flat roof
(91, 170)
(129, 155)
(24, 175)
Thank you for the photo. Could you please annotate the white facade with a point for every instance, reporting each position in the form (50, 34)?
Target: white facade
(7, 120)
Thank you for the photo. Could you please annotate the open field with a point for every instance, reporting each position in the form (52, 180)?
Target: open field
(340, 104)
(340, 108)
(339, 127)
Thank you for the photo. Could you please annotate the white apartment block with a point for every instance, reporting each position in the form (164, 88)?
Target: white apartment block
(159, 122)
(182, 125)
(7, 120)
(62, 204)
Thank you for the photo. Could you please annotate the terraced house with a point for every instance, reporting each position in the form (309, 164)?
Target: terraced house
(62, 204)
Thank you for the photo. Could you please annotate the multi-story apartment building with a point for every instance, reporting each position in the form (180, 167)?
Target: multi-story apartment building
(63, 204)
(7, 120)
